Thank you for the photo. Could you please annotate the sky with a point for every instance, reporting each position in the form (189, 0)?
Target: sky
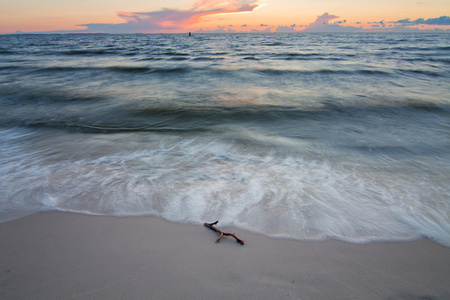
(177, 16)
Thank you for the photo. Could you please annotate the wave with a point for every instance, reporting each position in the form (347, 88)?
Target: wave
(419, 49)
(162, 70)
(4, 51)
(326, 71)
(191, 179)
(92, 52)
(105, 129)
(119, 69)
(205, 119)
(173, 69)
(208, 58)
(424, 72)
(430, 59)
(174, 53)
(251, 57)
(217, 70)
(273, 44)
(10, 68)
(273, 71)
(297, 54)
(57, 69)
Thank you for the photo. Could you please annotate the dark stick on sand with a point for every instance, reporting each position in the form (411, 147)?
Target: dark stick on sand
(221, 233)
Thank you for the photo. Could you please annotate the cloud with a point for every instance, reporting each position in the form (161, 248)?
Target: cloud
(219, 29)
(322, 24)
(443, 20)
(285, 29)
(323, 20)
(172, 19)
(379, 24)
(267, 29)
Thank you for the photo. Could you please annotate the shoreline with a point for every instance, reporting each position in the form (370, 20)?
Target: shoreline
(58, 255)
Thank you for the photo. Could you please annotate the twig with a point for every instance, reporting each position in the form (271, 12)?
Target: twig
(221, 233)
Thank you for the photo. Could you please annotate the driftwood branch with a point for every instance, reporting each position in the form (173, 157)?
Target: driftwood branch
(221, 233)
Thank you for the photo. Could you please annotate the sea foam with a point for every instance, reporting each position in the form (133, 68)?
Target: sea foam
(196, 180)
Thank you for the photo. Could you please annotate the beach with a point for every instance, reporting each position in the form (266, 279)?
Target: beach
(57, 255)
(328, 154)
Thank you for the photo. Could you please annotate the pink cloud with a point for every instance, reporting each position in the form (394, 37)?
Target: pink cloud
(172, 19)
(322, 24)
(323, 20)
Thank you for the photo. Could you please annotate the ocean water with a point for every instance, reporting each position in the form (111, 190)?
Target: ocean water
(302, 136)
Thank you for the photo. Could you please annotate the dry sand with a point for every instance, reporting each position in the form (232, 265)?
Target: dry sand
(57, 255)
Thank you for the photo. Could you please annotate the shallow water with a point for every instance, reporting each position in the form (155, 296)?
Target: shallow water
(305, 136)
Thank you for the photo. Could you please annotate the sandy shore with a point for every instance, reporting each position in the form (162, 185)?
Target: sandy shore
(70, 256)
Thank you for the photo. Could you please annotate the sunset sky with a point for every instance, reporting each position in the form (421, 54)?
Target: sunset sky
(114, 16)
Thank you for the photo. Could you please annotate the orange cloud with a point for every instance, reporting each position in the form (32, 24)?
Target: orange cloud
(172, 19)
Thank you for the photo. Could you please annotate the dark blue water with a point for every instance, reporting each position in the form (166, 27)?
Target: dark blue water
(305, 136)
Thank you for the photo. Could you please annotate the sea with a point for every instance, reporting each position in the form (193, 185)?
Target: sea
(306, 136)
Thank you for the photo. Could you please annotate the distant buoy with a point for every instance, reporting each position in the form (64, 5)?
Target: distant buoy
(189, 33)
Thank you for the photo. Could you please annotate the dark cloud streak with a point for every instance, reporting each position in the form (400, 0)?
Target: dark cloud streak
(443, 20)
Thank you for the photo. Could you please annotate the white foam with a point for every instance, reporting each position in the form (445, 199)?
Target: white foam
(198, 180)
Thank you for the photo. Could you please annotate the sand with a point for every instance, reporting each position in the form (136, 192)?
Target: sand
(54, 255)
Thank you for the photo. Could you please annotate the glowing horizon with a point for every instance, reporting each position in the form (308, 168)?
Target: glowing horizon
(223, 16)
